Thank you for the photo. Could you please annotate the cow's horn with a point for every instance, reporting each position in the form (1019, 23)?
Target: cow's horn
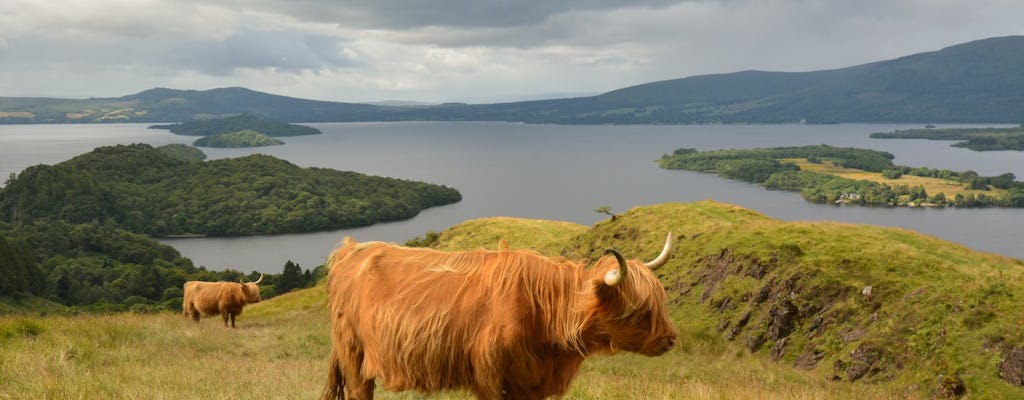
(259, 280)
(615, 276)
(660, 260)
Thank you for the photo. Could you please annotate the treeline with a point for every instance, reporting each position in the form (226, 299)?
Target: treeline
(237, 123)
(144, 190)
(770, 168)
(735, 162)
(102, 268)
(977, 139)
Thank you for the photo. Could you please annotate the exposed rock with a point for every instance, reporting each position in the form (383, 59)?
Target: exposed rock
(762, 294)
(838, 366)
(853, 335)
(809, 358)
(1011, 368)
(754, 341)
(782, 317)
(862, 362)
(949, 387)
(740, 324)
(779, 349)
(817, 326)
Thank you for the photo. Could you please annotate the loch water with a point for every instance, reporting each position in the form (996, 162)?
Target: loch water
(558, 172)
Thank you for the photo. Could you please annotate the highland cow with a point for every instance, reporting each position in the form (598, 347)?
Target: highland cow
(224, 298)
(503, 324)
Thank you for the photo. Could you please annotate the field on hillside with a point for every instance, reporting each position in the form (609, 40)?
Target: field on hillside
(751, 297)
(931, 185)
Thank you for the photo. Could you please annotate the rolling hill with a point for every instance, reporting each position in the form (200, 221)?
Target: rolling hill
(974, 82)
(765, 309)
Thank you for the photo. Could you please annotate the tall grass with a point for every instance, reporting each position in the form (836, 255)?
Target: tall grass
(280, 349)
(165, 356)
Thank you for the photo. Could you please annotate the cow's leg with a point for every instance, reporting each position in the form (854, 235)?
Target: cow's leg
(350, 354)
(232, 320)
(364, 391)
(488, 385)
(190, 311)
(357, 387)
(224, 316)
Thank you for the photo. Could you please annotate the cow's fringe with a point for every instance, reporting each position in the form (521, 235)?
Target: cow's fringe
(335, 388)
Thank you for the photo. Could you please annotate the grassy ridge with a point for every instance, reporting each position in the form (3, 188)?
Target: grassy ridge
(934, 308)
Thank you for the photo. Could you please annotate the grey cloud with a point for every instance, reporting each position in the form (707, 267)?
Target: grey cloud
(398, 14)
(288, 51)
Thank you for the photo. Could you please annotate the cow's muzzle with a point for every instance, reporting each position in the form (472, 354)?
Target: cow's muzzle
(660, 345)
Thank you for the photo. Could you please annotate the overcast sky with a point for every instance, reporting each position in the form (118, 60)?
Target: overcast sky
(457, 50)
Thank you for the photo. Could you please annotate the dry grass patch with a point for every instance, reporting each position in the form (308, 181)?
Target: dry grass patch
(931, 185)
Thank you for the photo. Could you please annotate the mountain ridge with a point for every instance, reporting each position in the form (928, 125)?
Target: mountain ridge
(972, 82)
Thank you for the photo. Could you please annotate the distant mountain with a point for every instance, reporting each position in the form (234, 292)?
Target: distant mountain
(978, 82)
(171, 105)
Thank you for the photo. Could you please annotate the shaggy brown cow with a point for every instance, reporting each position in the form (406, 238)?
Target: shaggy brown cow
(224, 298)
(503, 324)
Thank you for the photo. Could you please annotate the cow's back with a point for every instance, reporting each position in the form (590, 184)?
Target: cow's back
(424, 319)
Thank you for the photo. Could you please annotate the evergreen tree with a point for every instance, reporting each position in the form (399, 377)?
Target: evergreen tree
(291, 278)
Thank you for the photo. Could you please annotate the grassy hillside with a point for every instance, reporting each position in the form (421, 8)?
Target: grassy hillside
(171, 105)
(765, 309)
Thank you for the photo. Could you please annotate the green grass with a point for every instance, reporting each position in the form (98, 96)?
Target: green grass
(279, 351)
(936, 308)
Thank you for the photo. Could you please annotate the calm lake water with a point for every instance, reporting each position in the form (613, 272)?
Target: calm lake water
(547, 172)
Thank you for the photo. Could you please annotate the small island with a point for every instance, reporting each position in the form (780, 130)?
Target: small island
(844, 175)
(977, 139)
(243, 130)
(244, 138)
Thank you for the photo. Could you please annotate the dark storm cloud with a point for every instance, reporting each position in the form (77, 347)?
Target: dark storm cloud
(399, 14)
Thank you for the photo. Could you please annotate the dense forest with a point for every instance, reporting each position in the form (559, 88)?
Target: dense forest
(207, 127)
(243, 138)
(977, 139)
(147, 191)
(100, 267)
(774, 168)
(75, 233)
(182, 152)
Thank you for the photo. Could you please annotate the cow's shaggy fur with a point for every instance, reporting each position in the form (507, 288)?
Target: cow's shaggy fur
(503, 324)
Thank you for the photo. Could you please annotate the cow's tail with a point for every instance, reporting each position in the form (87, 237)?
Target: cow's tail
(335, 389)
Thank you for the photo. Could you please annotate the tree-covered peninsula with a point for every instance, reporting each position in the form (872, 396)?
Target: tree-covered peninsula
(145, 190)
(977, 139)
(826, 174)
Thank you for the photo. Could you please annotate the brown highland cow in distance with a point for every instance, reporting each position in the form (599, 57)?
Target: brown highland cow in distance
(224, 298)
(503, 324)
